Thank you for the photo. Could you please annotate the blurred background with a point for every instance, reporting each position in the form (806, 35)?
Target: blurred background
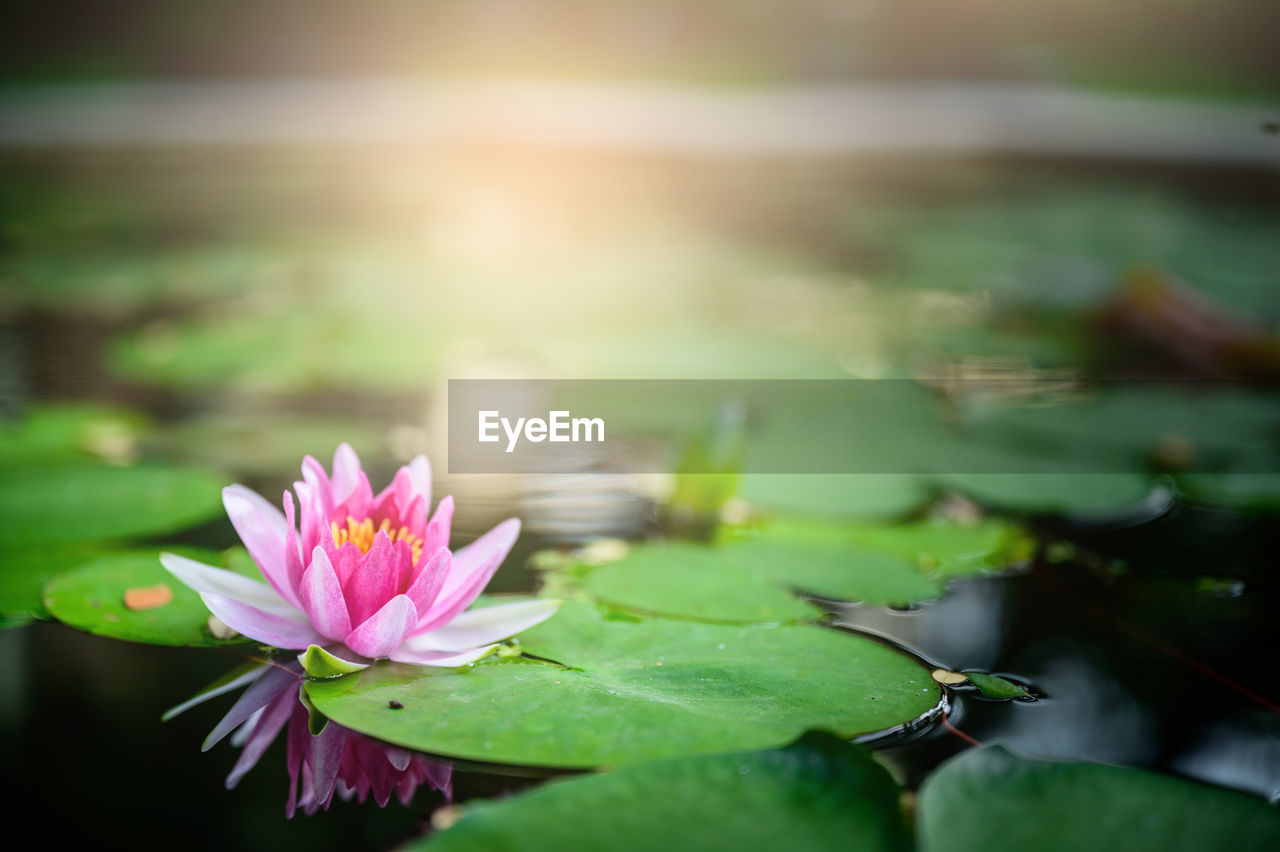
(261, 229)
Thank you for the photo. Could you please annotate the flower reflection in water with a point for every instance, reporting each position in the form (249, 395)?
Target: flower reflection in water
(335, 761)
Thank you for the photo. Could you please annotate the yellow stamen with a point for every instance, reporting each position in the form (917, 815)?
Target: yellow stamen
(362, 534)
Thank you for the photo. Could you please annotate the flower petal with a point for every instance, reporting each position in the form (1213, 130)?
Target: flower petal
(274, 681)
(472, 568)
(444, 659)
(383, 631)
(420, 473)
(263, 529)
(437, 534)
(431, 576)
(326, 760)
(322, 598)
(269, 628)
(346, 472)
(482, 626)
(268, 726)
(228, 584)
(213, 692)
(373, 580)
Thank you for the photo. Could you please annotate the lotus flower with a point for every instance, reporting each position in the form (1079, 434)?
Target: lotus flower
(367, 576)
(336, 760)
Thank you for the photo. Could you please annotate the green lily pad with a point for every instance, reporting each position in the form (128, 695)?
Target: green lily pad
(1073, 494)
(753, 581)
(817, 793)
(1050, 806)
(865, 496)
(936, 547)
(92, 598)
(994, 686)
(1127, 428)
(756, 575)
(636, 689)
(78, 503)
(23, 574)
(70, 433)
(1245, 491)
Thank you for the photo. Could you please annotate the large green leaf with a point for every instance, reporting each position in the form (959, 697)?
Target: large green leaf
(817, 793)
(1128, 427)
(91, 598)
(863, 496)
(1074, 494)
(989, 795)
(1246, 491)
(69, 433)
(41, 505)
(757, 575)
(23, 574)
(636, 689)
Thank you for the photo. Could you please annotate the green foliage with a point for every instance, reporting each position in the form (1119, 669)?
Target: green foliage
(627, 690)
(1065, 807)
(92, 598)
(23, 574)
(994, 686)
(1074, 494)
(867, 496)
(817, 793)
(756, 576)
(69, 503)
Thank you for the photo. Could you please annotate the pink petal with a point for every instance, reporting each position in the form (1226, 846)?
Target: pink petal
(292, 551)
(219, 581)
(277, 713)
(398, 758)
(318, 483)
(265, 690)
(268, 628)
(263, 530)
(431, 576)
(322, 598)
(444, 659)
(437, 534)
(374, 579)
(326, 759)
(482, 626)
(231, 685)
(385, 629)
(473, 566)
(420, 473)
(346, 472)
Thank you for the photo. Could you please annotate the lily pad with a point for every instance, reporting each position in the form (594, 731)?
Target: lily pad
(867, 496)
(70, 433)
(817, 793)
(1072, 494)
(757, 575)
(994, 686)
(627, 690)
(91, 598)
(81, 503)
(753, 581)
(1246, 491)
(1050, 806)
(23, 574)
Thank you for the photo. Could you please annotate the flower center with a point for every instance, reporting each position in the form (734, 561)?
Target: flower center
(361, 534)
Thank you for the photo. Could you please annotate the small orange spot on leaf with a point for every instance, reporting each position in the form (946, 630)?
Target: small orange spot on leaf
(147, 597)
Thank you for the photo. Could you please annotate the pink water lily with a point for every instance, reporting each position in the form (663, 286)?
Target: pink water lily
(367, 576)
(335, 761)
